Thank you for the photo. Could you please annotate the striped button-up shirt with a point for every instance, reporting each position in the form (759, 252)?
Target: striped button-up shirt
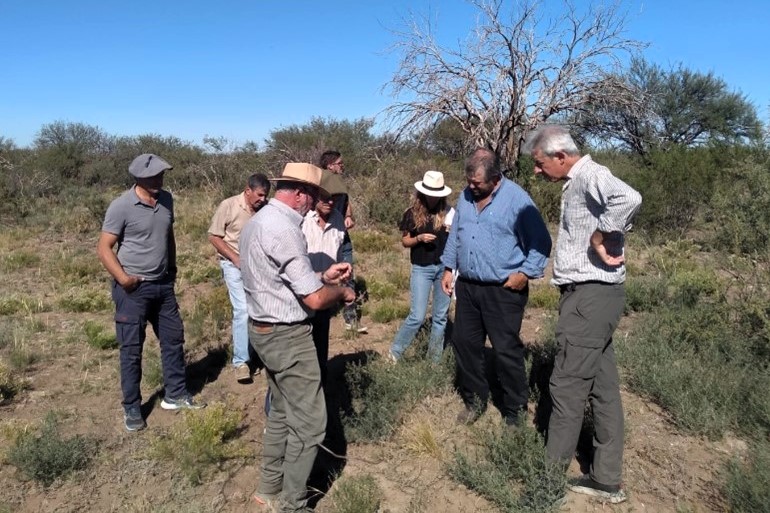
(275, 265)
(592, 199)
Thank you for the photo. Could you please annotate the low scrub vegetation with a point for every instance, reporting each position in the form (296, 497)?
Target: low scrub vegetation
(45, 455)
(204, 438)
(356, 494)
(747, 479)
(510, 469)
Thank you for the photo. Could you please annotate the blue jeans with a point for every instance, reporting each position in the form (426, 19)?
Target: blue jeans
(234, 282)
(424, 279)
(153, 302)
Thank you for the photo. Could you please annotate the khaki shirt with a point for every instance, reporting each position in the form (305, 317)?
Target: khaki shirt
(229, 219)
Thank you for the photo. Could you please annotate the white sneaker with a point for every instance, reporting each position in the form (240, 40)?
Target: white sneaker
(358, 329)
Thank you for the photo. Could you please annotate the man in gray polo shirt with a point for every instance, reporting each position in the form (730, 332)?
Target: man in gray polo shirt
(596, 212)
(143, 269)
(282, 292)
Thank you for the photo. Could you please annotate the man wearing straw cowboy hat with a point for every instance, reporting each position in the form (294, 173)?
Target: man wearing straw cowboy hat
(282, 291)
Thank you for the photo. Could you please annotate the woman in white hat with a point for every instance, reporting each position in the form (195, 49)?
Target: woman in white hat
(424, 229)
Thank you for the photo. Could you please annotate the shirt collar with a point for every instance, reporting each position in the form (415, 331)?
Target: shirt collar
(289, 212)
(578, 166)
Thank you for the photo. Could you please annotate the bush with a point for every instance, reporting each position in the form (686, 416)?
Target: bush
(679, 356)
(356, 494)
(97, 338)
(386, 312)
(511, 471)
(382, 394)
(747, 483)
(367, 241)
(10, 384)
(48, 456)
(85, 300)
(741, 210)
(544, 297)
(204, 438)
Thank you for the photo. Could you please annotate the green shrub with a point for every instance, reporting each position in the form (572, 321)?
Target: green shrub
(13, 305)
(48, 456)
(741, 209)
(152, 369)
(98, 338)
(10, 384)
(680, 355)
(369, 241)
(85, 300)
(511, 471)
(209, 316)
(356, 494)
(544, 297)
(383, 394)
(19, 260)
(204, 438)
(386, 312)
(747, 483)
(645, 293)
(22, 356)
(381, 290)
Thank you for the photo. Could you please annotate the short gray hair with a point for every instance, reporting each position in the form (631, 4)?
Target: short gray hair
(552, 139)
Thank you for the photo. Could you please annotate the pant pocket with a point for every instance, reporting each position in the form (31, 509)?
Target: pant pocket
(579, 358)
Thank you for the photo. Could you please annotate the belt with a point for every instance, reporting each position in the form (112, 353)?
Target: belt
(570, 287)
(262, 324)
(479, 282)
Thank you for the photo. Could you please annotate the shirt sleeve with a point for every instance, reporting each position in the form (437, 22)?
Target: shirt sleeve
(449, 256)
(219, 221)
(619, 202)
(114, 219)
(535, 240)
(407, 221)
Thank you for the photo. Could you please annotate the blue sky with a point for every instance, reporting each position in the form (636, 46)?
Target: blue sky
(239, 69)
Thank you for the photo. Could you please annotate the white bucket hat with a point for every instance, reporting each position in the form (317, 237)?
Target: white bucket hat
(432, 184)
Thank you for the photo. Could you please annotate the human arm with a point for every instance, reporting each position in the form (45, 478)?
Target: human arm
(618, 204)
(350, 221)
(337, 274)
(607, 251)
(535, 241)
(171, 253)
(327, 296)
(104, 250)
(409, 241)
(224, 249)
(447, 280)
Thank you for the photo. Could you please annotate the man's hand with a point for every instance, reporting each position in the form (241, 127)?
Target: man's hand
(337, 274)
(446, 282)
(236, 260)
(350, 296)
(608, 252)
(349, 222)
(516, 281)
(131, 282)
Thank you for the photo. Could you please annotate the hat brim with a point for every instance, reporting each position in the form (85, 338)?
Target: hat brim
(440, 193)
(297, 180)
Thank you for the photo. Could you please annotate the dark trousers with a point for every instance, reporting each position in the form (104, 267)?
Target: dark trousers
(153, 302)
(490, 310)
(321, 322)
(585, 370)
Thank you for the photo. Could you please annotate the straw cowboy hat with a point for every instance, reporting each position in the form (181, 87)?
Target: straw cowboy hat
(432, 184)
(300, 172)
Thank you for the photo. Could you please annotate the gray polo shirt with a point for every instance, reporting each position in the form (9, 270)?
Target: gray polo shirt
(275, 266)
(142, 232)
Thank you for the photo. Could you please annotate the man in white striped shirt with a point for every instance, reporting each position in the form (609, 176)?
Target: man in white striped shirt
(596, 212)
(282, 290)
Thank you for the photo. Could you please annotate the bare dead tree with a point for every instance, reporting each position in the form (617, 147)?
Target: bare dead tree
(517, 70)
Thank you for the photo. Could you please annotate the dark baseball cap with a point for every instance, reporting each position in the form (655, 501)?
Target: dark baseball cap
(148, 165)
